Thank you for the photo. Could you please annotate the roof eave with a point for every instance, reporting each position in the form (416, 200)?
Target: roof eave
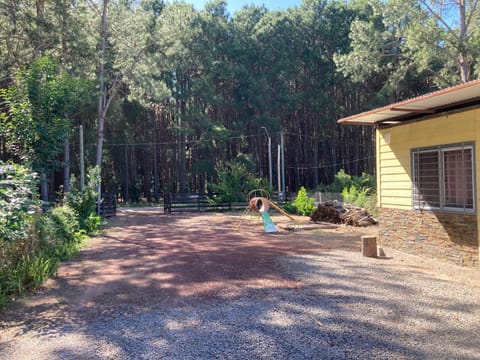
(386, 114)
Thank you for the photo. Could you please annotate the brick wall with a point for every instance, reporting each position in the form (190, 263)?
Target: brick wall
(442, 235)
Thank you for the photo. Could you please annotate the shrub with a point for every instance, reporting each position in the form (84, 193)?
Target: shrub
(365, 181)
(304, 204)
(18, 200)
(58, 225)
(343, 180)
(356, 196)
(19, 206)
(363, 197)
(85, 202)
(289, 207)
(57, 237)
(234, 183)
(32, 244)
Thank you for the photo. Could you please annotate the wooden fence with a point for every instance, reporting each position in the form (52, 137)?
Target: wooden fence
(196, 202)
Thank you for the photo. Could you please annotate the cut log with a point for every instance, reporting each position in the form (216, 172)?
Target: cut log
(369, 246)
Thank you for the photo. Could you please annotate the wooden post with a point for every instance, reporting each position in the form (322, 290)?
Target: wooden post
(369, 246)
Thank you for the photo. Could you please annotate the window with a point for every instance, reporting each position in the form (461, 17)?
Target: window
(443, 178)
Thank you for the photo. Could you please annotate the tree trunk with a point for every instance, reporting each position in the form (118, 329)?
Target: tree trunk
(463, 56)
(183, 169)
(66, 166)
(147, 163)
(155, 165)
(44, 186)
(315, 157)
(102, 103)
(40, 8)
(126, 183)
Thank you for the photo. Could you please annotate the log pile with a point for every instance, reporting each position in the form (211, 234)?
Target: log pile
(340, 213)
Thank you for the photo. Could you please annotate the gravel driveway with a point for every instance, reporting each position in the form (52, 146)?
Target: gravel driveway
(188, 287)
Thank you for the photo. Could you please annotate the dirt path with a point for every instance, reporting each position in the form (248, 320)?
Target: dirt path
(147, 262)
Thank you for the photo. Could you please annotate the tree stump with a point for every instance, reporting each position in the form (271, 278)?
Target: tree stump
(369, 246)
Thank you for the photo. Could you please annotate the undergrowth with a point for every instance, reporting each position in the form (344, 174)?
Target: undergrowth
(34, 243)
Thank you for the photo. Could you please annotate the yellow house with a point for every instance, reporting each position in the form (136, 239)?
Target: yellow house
(428, 173)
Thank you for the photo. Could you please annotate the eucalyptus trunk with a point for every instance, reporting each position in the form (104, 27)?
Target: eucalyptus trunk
(102, 96)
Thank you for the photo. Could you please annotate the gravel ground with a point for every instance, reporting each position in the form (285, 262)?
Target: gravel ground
(342, 306)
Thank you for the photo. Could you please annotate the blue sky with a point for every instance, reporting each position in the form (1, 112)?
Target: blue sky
(234, 5)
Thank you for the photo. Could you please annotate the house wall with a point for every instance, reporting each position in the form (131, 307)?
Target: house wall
(445, 235)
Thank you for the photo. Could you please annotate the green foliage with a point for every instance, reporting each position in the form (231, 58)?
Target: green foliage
(356, 196)
(84, 202)
(365, 180)
(343, 180)
(363, 197)
(32, 270)
(356, 190)
(58, 224)
(92, 224)
(58, 238)
(399, 44)
(39, 102)
(18, 201)
(303, 203)
(290, 208)
(33, 244)
(234, 183)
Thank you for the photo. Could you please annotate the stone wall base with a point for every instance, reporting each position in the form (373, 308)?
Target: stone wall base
(441, 235)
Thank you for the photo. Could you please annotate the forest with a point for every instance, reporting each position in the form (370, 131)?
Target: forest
(162, 96)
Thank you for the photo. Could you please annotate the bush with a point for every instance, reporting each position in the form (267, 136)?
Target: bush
(363, 197)
(356, 190)
(235, 182)
(31, 272)
(290, 208)
(33, 244)
(365, 181)
(355, 196)
(58, 238)
(343, 180)
(85, 202)
(19, 206)
(18, 200)
(304, 204)
(59, 224)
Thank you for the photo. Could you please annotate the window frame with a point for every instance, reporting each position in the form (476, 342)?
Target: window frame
(440, 150)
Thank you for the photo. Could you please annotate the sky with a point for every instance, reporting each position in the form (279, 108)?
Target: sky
(235, 5)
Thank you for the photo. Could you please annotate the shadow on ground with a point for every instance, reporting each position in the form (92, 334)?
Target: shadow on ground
(189, 286)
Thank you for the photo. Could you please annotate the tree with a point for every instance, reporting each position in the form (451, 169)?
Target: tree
(37, 121)
(234, 182)
(409, 42)
(456, 22)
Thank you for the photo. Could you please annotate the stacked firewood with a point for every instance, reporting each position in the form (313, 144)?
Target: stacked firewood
(340, 213)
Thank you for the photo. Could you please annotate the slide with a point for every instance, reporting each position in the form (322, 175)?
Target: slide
(268, 224)
(261, 205)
